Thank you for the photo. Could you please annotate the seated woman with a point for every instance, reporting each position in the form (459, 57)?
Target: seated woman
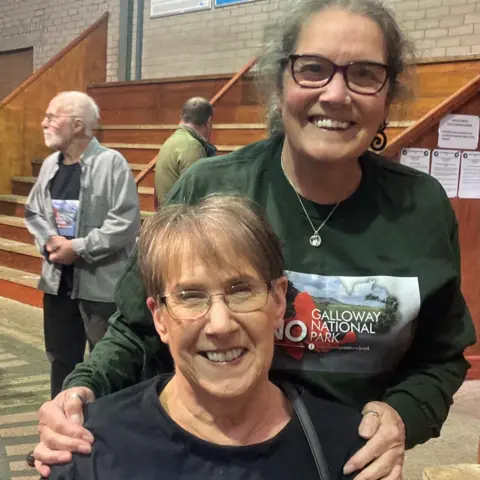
(217, 293)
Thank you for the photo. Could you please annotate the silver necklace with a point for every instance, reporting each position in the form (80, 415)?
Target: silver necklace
(315, 239)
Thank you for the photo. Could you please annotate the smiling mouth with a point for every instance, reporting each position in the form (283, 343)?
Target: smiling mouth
(226, 356)
(330, 123)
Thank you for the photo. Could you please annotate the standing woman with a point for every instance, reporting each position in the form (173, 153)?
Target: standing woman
(376, 318)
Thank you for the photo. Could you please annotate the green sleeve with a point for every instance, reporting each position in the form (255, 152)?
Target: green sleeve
(434, 367)
(128, 352)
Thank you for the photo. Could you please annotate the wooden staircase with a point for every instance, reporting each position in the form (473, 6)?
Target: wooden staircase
(20, 262)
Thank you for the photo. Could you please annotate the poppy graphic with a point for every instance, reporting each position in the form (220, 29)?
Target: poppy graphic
(303, 329)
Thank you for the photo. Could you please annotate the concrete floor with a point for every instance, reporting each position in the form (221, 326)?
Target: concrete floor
(21, 340)
(458, 442)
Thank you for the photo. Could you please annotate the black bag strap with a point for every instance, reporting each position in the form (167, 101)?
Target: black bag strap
(308, 429)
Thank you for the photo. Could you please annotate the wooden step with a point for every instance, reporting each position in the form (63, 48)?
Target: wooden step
(136, 153)
(12, 205)
(20, 286)
(22, 185)
(14, 228)
(395, 128)
(138, 156)
(16, 203)
(146, 196)
(135, 167)
(222, 134)
(157, 146)
(143, 153)
(14, 254)
(152, 101)
(36, 165)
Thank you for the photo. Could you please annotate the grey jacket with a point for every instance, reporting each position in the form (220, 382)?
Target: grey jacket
(107, 224)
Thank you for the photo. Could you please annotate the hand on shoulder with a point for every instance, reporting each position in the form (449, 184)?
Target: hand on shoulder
(61, 430)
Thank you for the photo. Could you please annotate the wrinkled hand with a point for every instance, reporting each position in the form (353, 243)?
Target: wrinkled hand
(54, 242)
(60, 427)
(384, 453)
(61, 251)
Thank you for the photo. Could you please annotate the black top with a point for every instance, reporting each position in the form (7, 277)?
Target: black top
(65, 185)
(136, 439)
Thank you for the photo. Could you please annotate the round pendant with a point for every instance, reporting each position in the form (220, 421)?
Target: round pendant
(315, 240)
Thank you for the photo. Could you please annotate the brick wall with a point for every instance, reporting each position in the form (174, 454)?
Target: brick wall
(222, 40)
(441, 28)
(216, 41)
(49, 25)
(212, 41)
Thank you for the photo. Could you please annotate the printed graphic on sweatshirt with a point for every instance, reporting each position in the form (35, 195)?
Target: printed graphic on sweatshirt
(346, 324)
(66, 212)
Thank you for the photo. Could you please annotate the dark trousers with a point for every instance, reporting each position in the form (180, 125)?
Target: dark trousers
(68, 325)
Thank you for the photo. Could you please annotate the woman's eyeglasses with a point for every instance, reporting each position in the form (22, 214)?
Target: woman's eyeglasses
(314, 71)
(194, 304)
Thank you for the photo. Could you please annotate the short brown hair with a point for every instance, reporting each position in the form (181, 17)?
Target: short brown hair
(197, 110)
(221, 230)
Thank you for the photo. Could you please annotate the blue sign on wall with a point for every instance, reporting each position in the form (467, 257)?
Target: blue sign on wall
(225, 3)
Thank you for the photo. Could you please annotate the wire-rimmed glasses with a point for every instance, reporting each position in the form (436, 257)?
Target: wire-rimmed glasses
(51, 117)
(190, 305)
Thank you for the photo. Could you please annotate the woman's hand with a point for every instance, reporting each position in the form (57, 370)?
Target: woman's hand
(60, 428)
(383, 455)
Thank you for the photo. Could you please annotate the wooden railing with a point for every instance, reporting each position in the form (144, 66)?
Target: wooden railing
(80, 63)
(429, 120)
(38, 73)
(213, 101)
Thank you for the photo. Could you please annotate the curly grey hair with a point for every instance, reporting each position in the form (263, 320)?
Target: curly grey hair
(282, 35)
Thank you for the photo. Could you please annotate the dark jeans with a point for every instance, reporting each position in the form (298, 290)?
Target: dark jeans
(68, 325)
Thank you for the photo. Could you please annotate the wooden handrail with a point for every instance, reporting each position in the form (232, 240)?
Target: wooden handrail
(55, 59)
(213, 101)
(155, 81)
(412, 133)
(145, 171)
(233, 81)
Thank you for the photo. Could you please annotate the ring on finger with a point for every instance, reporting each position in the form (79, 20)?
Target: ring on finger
(371, 412)
(77, 395)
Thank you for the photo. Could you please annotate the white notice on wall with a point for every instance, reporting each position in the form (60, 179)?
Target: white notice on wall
(445, 168)
(469, 185)
(459, 131)
(162, 8)
(418, 158)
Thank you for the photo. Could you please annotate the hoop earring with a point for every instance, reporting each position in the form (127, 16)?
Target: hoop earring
(380, 140)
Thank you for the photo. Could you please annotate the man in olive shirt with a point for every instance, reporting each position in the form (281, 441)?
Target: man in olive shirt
(185, 146)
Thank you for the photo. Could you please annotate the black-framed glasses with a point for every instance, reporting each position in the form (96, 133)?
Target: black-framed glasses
(190, 305)
(315, 71)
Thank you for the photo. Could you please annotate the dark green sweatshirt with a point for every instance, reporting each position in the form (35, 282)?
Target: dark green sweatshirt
(375, 312)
